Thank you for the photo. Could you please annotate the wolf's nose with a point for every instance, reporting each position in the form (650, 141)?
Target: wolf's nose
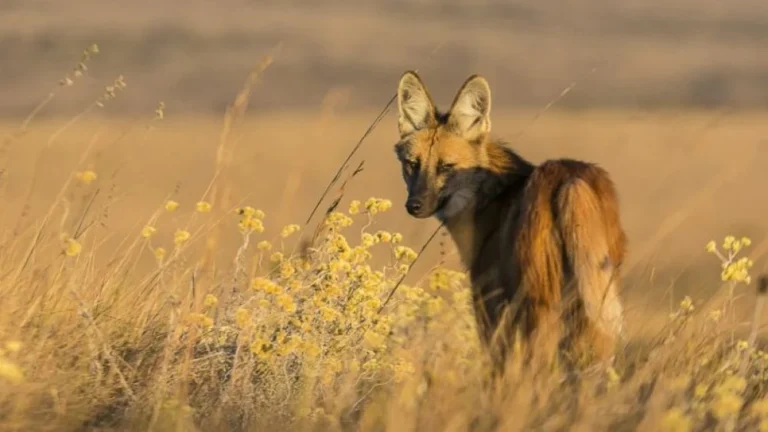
(413, 206)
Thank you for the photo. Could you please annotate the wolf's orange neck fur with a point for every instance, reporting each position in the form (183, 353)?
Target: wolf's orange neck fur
(500, 159)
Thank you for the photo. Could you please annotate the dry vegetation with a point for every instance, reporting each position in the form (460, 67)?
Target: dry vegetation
(156, 273)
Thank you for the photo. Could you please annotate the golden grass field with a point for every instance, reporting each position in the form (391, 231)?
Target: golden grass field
(123, 311)
(97, 333)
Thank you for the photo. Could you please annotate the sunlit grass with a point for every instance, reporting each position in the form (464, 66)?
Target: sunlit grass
(310, 326)
(301, 339)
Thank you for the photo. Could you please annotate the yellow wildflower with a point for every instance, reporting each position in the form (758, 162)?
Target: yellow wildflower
(354, 207)
(210, 301)
(405, 253)
(148, 231)
(73, 247)
(266, 285)
(728, 242)
(288, 230)
(337, 220)
(261, 348)
(242, 318)
(371, 365)
(10, 371)
(264, 245)
(383, 326)
(384, 236)
(276, 257)
(200, 319)
(687, 304)
(434, 306)
(715, 315)
(246, 211)
(725, 405)
(733, 384)
(338, 244)
(86, 177)
(438, 280)
(675, 420)
(289, 345)
(402, 369)
(160, 254)
(372, 305)
(375, 205)
(286, 302)
(251, 224)
(332, 290)
(311, 349)
(203, 207)
(328, 314)
(286, 270)
(728, 401)
(180, 237)
(373, 340)
(171, 206)
(700, 391)
(737, 271)
(368, 240)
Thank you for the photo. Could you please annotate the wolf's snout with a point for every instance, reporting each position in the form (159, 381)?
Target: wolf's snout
(413, 206)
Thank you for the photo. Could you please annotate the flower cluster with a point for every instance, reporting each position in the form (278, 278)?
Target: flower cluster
(329, 309)
(734, 270)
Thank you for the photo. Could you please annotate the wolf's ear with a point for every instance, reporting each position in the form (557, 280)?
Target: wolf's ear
(415, 106)
(469, 116)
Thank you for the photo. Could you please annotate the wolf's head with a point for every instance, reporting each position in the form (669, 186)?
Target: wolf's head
(444, 156)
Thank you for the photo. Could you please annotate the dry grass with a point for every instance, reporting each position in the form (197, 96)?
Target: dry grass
(121, 311)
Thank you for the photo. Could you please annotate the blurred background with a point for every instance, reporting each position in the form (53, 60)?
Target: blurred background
(194, 54)
(668, 95)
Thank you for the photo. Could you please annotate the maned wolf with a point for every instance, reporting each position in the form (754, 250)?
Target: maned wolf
(543, 244)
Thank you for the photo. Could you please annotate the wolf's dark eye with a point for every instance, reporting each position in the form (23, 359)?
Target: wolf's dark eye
(412, 165)
(445, 168)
